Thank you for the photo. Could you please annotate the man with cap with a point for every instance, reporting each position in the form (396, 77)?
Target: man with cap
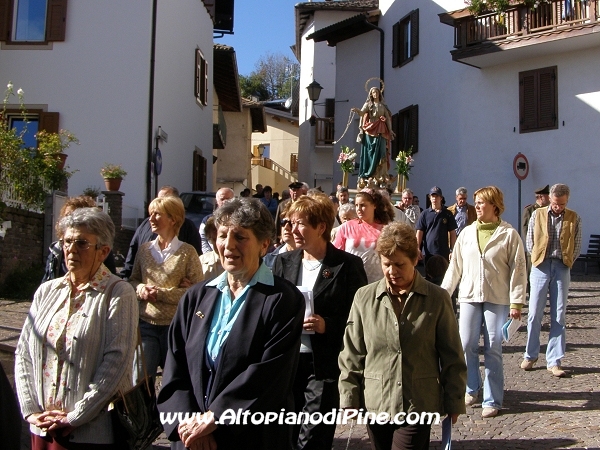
(436, 228)
(542, 198)
(464, 213)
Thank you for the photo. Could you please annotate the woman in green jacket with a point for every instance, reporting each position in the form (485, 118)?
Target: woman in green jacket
(402, 352)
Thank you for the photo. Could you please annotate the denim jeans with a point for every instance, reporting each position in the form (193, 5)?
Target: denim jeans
(154, 344)
(492, 317)
(551, 275)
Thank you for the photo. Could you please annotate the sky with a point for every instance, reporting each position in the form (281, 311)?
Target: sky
(261, 27)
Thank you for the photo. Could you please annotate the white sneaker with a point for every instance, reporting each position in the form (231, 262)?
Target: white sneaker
(470, 400)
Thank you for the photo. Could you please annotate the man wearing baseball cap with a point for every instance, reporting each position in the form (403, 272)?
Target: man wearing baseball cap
(436, 228)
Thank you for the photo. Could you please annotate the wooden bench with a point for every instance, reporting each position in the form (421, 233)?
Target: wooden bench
(593, 253)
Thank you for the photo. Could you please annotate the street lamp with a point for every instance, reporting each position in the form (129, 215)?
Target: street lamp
(314, 90)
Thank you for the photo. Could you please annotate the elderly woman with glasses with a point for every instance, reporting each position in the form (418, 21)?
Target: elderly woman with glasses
(233, 343)
(163, 271)
(76, 348)
(287, 237)
(333, 277)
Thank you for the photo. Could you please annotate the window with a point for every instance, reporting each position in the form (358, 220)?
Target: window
(32, 21)
(538, 100)
(406, 39)
(33, 121)
(199, 171)
(406, 126)
(201, 85)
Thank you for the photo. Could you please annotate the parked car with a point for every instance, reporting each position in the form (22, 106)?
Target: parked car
(198, 205)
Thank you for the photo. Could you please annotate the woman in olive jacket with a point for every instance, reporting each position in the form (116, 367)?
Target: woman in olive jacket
(402, 351)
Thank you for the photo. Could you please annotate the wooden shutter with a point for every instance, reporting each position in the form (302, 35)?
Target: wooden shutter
(49, 122)
(56, 21)
(527, 101)
(547, 105)
(413, 138)
(414, 33)
(396, 45)
(5, 19)
(330, 107)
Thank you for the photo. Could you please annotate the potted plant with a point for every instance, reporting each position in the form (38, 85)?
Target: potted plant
(52, 146)
(113, 174)
(92, 191)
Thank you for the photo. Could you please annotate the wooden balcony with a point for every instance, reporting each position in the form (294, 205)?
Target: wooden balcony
(324, 131)
(555, 26)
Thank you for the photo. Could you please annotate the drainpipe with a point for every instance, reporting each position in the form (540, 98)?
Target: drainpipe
(150, 142)
(381, 46)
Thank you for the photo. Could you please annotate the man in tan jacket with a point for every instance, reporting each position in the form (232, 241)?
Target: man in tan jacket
(554, 242)
(463, 212)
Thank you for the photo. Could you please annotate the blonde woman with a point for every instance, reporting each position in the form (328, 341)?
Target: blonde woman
(163, 271)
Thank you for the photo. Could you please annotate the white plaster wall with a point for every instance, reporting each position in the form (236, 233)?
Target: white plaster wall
(318, 62)
(98, 81)
(467, 115)
(181, 30)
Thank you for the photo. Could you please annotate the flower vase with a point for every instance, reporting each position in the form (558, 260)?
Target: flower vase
(345, 179)
(400, 184)
(112, 184)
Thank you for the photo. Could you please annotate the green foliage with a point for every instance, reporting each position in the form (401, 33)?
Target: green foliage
(22, 283)
(479, 7)
(91, 191)
(404, 163)
(112, 171)
(32, 173)
(274, 78)
(253, 86)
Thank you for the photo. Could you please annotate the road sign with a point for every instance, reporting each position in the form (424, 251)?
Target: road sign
(521, 166)
(157, 162)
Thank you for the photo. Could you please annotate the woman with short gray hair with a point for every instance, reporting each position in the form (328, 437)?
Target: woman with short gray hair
(233, 343)
(76, 348)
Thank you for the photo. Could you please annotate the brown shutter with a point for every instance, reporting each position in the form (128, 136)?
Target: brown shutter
(49, 122)
(413, 138)
(548, 114)
(56, 22)
(527, 101)
(396, 47)
(5, 19)
(197, 74)
(414, 33)
(330, 107)
(205, 81)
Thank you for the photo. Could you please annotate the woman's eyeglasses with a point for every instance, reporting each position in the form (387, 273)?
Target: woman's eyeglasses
(80, 244)
(285, 222)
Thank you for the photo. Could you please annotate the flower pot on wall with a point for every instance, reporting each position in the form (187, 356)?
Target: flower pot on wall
(112, 184)
(62, 159)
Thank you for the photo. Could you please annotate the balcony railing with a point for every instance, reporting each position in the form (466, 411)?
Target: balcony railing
(268, 163)
(522, 20)
(324, 131)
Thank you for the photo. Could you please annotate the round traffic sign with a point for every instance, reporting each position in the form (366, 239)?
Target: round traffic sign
(157, 162)
(521, 166)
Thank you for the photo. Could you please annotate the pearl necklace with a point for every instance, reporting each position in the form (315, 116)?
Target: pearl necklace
(310, 267)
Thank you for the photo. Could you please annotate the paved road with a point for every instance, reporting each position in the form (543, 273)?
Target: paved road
(540, 412)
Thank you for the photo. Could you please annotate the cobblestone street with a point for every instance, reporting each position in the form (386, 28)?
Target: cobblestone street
(540, 411)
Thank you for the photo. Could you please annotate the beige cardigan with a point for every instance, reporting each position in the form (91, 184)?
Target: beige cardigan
(184, 263)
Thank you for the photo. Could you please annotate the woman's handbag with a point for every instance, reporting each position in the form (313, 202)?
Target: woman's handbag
(135, 416)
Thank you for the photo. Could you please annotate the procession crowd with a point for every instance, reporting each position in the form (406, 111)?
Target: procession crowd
(308, 305)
